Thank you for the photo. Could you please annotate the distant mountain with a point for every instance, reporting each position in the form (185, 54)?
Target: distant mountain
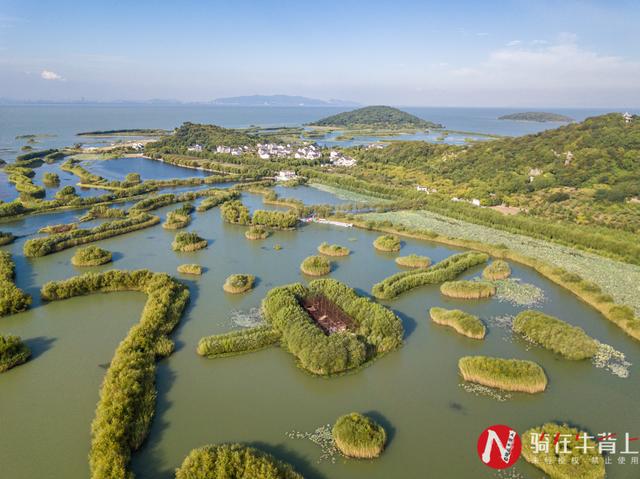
(540, 116)
(279, 100)
(375, 117)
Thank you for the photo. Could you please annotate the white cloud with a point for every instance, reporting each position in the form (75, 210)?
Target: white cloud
(49, 75)
(514, 43)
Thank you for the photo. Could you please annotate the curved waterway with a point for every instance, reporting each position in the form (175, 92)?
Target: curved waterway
(47, 404)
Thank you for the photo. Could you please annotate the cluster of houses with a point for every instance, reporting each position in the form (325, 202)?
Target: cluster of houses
(234, 151)
(627, 117)
(337, 158)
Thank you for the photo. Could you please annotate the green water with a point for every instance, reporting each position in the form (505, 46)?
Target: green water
(46, 405)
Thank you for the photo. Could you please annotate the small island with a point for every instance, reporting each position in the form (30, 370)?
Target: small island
(463, 323)
(186, 241)
(192, 268)
(384, 117)
(539, 116)
(387, 243)
(91, 256)
(358, 436)
(506, 374)
(13, 352)
(239, 283)
(468, 289)
(413, 261)
(333, 249)
(256, 233)
(497, 270)
(316, 266)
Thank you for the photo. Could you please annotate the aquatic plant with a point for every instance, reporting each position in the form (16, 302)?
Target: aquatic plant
(235, 212)
(507, 374)
(468, 289)
(444, 270)
(237, 342)
(6, 238)
(256, 233)
(227, 461)
(60, 228)
(333, 249)
(13, 352)
(239, 283)
(389, 243)
(216, 199)
(553, 334)
(498, 269)
(91, 256)
(580, 459)
(275, 219)
(315, 266)
(127, 395)
(187, 241)
(517, 293)
(178, 218)
(464, 323)
(193, 268)
(12, 299)
(359, 436)
(413, 261)
(50, 179)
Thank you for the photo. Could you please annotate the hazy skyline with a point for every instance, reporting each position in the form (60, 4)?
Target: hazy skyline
(502, 53)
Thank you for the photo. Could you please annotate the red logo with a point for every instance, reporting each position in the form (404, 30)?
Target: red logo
(499, 446)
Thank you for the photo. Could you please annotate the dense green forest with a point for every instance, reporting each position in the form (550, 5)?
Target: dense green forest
(375, 117)
(208, 136)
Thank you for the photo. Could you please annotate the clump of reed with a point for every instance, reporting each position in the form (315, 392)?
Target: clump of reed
(13, 352)
(256, 233)
(333, 249)
(498, 269)
(388, 243)
(358, 436)
(191, 268)
(553, 334)
(464, 323)
(413, 261)
(239, 283)
(506, 374)
(316, 266)
(178, 218)
(468, 289)
(237, 342)
(91, 256)
(187, 241)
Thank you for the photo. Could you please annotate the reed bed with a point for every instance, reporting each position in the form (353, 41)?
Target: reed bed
(387, 243)
(498, 269)
(468, 289)
(237, 342)
(13, 352)
(256, 233)
(188, 241)
(190, 268)
(506, 374)
(463, 323)
(413, 261)
(358, 436)
(315, 266)
(91, 256)
(239, 283)
(333, 249)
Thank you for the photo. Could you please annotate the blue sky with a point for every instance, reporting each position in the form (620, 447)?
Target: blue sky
(456, 53)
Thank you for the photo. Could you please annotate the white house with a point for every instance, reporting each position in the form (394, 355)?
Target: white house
(627, 117)
(197, 148)
(286, 175)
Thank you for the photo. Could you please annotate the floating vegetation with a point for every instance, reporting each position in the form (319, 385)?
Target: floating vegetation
(484, 391)
(607, 357)
(517, 293)
(322, 438)
(247, 318)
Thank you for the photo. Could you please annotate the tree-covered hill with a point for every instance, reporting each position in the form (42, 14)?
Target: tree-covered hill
(207, 136)
(375, 117)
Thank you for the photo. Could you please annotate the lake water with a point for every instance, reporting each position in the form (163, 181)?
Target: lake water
(47, 404)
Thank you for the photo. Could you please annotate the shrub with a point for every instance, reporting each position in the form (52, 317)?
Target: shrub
(190, 269)
(376, 330)
(256, 233)
(188, 241)
(333, 249)
(237, 342)
(316, 266)
(12, 299)
(235, 212)
(551, 333)
(61, 228)
(51, 179)
(277, 246)
(445, 270)
(498, 269)
(358, 436)
(127, 395)
(588, 464)
(178, 218)
(464, 323)
(6, 238)
(413, 261)
(229, 461)
(57, 242)
(508, 374)
(275, 219)
(217, 198)
(91, 256)
(468, 289)
(13, 352)
(65, 192)
(387, 243)
(102, 211)
(239, 283)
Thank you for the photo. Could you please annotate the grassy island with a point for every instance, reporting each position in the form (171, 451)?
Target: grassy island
(6, 238)
(468, 289)
(187, 241)
(464, 323)
(13, 352)
(256, 233)
(239, 283)
(91, 256)
(51, 179)
(178, 218)
(59, 228)
(128, 394)
(389, 243)
(12, 299)
(551, 333)
(413, 261)
(590, 464)
(333, 249)
(498, 269)
(238, 342)
(235, 212)
(315, 266)
(329, 328)
(444, 270)
(231, 461)
(194, 269)
(379, 116)
(507, 374)
(358, 436)
(282, 220)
